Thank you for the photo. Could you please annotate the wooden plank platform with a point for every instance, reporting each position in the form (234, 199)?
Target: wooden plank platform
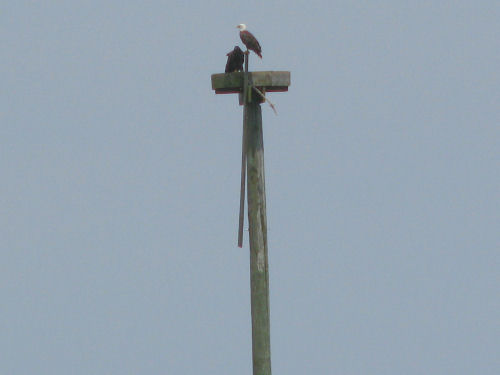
(269, 81)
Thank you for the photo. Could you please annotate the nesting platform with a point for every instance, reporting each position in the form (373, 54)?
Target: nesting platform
(269, 81)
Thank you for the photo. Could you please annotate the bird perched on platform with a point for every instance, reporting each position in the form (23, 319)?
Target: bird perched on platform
(249, 40)
(235, 60)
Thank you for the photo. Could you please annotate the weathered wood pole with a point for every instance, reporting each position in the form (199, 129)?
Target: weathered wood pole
(253, 159)
(257, 222)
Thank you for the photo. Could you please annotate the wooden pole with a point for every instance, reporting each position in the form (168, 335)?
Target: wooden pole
(252, 162)
(257, 222)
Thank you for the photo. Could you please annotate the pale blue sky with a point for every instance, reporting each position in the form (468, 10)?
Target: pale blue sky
(120, 183)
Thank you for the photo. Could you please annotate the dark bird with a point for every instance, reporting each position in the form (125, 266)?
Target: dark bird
(235, 60)
(249, 40)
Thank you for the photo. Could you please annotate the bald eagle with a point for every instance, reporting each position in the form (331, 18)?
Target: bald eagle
(249, 40)
(235, 60)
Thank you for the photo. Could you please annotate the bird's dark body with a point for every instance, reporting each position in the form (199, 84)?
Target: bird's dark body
(235, 60)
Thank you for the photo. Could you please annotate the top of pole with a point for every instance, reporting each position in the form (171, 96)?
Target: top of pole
(232, 83)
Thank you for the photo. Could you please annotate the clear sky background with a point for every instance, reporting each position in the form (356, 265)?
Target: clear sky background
(120, 187)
